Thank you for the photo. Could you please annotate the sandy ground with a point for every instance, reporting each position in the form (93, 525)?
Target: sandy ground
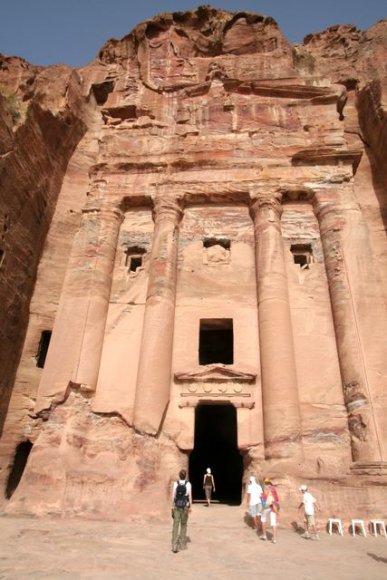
(222, 547)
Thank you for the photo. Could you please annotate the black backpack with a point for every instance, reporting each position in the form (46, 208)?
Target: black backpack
(181, 497)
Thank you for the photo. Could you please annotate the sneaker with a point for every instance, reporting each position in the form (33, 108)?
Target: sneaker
(264, 538)
(316, 537)
(274, 541)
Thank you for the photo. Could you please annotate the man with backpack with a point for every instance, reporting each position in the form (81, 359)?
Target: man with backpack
(181, 506)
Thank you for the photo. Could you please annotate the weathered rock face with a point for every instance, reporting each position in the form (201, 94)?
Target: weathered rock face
(214, 274)
(41, 123)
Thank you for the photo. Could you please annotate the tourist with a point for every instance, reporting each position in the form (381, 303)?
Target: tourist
(181, 506)
(208, 485)
(310, 505)
(271, 507)
(254, 502)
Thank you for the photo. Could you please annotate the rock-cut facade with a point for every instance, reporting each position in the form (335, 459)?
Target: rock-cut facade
(193, 268)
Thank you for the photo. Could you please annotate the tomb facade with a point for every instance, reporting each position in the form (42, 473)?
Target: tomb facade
(208, 286)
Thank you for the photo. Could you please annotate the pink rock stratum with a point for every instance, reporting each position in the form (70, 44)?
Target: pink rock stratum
(193, 269)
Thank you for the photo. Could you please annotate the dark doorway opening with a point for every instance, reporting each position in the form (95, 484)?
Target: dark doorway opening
(19, 462)
(216, 447)
(216, 341)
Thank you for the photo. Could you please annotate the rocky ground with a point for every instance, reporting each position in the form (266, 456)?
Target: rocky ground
(222, 546)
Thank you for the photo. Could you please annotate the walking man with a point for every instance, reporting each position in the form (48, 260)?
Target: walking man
(181, 506)
(254, 502)
(310, 505)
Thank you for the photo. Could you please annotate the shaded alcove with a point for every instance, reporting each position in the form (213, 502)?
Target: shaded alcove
(44, 343)
(216, 447)
(19, 462)
(216, 341)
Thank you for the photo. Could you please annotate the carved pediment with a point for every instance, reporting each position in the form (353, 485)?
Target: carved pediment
(215, 373)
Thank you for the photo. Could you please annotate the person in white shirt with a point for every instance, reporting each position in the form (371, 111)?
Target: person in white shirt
(254, 502)
(310, 506)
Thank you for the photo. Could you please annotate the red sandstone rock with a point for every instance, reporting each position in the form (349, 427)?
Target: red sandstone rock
(202, 178)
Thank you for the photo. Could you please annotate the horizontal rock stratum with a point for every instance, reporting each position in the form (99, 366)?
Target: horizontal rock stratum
(193, 269)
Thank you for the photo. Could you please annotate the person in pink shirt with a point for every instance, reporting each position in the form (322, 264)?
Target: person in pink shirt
(271, 507)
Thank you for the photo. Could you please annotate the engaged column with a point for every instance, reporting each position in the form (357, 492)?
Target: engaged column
(361, 418)
(77, 338)
(281, 414)
(154, 373)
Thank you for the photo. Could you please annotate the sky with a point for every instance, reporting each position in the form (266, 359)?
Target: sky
(46, 32)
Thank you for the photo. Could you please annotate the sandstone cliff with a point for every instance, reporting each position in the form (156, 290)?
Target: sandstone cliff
(41, 123)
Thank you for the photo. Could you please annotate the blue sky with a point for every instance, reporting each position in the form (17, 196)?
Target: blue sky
(72, 31)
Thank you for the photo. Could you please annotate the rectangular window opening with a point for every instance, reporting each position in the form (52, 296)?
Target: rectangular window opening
(216, 341)
(302, 255)
(134, 258)
(135, 262)
(44, 343)
(224, 242)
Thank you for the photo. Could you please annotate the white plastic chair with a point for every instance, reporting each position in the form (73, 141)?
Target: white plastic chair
(375, 524)
(358, 524)
(335, 522)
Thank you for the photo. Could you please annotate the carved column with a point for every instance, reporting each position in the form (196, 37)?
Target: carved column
(361, 419)
(154, 372)
(99, 290)
(77, 339)
(281, 413)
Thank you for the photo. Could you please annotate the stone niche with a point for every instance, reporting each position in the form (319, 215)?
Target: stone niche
(198, 275)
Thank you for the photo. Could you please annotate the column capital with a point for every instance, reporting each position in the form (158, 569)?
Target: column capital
(330, 216)
(322, 207)
(329, 200)
(112, 211)
(267, 206)
(327, 204)
(168, 208)
(105, 210)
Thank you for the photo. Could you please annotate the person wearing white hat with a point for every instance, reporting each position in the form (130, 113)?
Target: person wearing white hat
(310, 506)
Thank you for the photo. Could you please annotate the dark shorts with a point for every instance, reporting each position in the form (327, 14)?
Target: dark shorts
(208, 491)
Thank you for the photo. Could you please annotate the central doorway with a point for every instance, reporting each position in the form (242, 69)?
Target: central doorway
(216, 447)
